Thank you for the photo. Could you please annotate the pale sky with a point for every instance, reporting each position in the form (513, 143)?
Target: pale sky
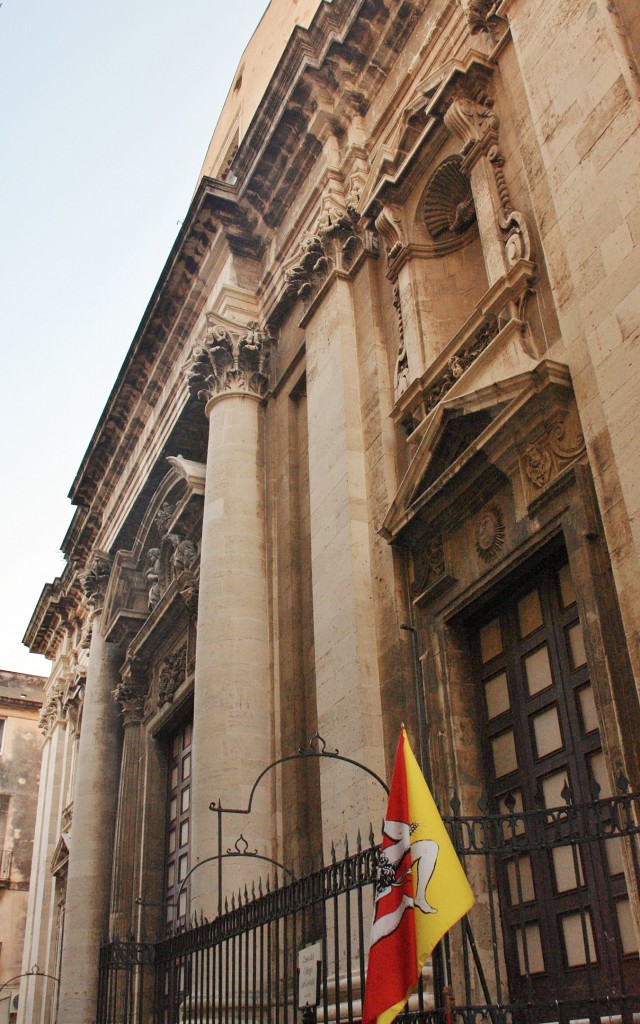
(106, 111)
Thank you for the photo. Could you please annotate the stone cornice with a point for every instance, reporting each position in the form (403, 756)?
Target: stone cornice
(215, 209)
(57, 605)
(322, 80)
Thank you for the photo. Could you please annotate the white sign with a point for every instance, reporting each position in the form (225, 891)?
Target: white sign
(309, 975)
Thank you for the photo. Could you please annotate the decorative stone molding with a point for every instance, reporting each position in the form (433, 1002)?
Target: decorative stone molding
(172, 674)
(489, 532)
(448, 201)
(95, 579)
(544, 458)
(229, 361)
(401, 378)
(460, 362)
(62, 704)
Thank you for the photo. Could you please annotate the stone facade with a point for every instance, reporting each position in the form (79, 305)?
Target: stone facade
(21, 705)
(389, 377)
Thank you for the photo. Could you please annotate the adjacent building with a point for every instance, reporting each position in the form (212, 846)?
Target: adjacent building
(376, 436)
(21, 699)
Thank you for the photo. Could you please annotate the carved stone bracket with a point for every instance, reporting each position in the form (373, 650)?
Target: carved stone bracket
(474, 121)
(229, 361)
(95, 579)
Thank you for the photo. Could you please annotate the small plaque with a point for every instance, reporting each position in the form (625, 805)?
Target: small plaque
(309, 975)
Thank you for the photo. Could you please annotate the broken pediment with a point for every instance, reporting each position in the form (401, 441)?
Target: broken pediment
(469, 445)
(163, 550)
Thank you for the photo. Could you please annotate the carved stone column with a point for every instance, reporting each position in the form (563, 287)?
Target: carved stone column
(95, 801)
(130, 695)
(503, 230)
(232, 703)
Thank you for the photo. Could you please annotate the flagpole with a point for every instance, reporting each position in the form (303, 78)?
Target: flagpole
(423, 755)
(440, 968)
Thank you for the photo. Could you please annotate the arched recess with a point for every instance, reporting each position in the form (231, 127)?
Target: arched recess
(166, 546)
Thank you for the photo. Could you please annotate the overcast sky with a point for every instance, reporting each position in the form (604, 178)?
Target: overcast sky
(106, 113)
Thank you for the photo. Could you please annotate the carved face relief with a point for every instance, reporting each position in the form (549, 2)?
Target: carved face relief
(538, 465)
(489, 532)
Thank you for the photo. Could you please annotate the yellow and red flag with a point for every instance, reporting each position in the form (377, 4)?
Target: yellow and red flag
(421, 891)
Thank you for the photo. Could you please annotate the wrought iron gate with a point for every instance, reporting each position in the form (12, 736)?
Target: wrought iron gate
(242, 967)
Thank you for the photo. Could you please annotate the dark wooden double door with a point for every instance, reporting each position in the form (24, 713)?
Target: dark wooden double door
(565, 911)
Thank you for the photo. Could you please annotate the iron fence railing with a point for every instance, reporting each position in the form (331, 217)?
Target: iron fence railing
(502, 964)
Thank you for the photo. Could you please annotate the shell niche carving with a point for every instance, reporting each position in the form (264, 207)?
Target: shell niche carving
(448, 201)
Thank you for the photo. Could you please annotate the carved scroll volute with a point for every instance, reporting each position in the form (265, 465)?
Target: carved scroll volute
(95, 579)
(474, 121)
(229, 361)
(390, 226)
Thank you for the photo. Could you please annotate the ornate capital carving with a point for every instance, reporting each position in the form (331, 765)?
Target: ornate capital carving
(229, 361)
(131, 691)
(477, 14)
(95, 579)
(333, 243)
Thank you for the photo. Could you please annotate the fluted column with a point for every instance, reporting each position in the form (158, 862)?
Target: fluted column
(94, 811)
(130, 695)
(232, 703)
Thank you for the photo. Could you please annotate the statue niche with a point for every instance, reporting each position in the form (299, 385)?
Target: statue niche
(166, 560)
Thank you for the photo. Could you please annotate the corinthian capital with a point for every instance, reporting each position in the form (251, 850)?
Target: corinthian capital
(228, 360)
(474, 121)
(95, 578)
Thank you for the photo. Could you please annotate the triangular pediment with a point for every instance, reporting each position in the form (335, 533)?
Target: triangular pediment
(461, 430)
(60, 857)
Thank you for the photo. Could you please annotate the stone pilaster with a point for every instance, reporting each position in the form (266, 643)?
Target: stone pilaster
(96, 794)
(347, 675)
(232, 703)
(130, 695)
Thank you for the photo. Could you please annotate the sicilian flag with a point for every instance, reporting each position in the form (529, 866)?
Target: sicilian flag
(421, 891)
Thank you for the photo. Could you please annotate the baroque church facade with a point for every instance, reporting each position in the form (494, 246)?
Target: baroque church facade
(376, 436)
